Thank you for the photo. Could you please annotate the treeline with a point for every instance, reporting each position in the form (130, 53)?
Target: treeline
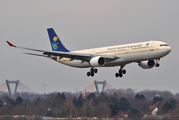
(111, 103)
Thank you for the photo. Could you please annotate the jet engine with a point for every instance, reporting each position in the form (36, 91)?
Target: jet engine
(97, 61)
(147, 64)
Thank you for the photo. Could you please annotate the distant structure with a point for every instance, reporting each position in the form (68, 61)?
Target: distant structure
(10, 89)
(100, 82)
(24, 91)
(93, 86)
(44, 88)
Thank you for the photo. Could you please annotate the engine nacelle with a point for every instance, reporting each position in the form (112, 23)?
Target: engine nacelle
(97, 61)
(147, 64)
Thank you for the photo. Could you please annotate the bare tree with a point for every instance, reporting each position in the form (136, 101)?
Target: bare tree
(102, 110)
(129, 93)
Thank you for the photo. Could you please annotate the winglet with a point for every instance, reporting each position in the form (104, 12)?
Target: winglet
(10, 44)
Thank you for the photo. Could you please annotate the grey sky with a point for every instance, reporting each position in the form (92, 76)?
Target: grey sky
(87, 24)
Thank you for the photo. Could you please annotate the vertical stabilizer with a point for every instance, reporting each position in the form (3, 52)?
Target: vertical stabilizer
(55, 41)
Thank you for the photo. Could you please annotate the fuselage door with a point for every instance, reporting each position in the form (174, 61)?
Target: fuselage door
(152, 46)
(126, 50)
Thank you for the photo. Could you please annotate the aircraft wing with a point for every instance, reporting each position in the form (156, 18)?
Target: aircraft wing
(71, 55)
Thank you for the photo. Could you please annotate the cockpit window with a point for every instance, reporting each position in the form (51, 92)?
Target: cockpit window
(163, 45)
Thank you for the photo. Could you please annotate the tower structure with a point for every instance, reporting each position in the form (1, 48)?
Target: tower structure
(94, 86)
(9, 87)
(100, 82)
(16, 86)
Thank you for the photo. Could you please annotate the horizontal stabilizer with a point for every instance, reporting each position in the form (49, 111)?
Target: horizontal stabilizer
(36, 54)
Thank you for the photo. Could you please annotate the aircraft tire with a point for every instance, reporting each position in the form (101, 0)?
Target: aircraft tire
(92, 74)
(124, 71)
(117, 74)
(88, 74)
(120, 74)
(95, 70)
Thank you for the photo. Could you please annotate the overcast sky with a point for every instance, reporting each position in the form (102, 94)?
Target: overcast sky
(82, 24)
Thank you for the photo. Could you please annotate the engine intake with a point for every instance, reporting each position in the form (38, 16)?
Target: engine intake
(147, 64)
(97, 61)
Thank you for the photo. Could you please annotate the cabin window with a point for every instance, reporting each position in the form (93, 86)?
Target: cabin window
(163, 45)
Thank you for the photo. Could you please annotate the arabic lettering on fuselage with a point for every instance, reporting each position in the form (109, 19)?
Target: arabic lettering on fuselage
(124, 47)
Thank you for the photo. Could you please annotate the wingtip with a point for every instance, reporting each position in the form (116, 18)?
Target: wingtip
(10, 44)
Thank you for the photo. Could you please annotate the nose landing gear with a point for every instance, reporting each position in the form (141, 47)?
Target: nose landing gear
(157, 63)
(92, 72)
(121, 72)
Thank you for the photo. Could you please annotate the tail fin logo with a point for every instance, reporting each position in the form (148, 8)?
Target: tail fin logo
(55, 43)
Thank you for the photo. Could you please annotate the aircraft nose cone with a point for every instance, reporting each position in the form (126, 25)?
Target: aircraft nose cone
(169, 49)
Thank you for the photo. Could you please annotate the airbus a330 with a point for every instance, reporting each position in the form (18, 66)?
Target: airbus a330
(146, 54)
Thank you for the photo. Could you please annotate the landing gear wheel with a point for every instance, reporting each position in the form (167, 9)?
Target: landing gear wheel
(120, 74)
(95, 70)
(124, 71)
(92, 74)
(88, 74)
(117, 74)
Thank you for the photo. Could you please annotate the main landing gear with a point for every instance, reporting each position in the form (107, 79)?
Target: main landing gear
(92, 72)
(121, 72)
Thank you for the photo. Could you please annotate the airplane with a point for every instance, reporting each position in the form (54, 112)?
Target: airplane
(146, 54)
(154, 112)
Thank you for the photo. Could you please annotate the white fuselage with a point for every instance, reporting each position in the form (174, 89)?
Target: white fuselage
(126, 53)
